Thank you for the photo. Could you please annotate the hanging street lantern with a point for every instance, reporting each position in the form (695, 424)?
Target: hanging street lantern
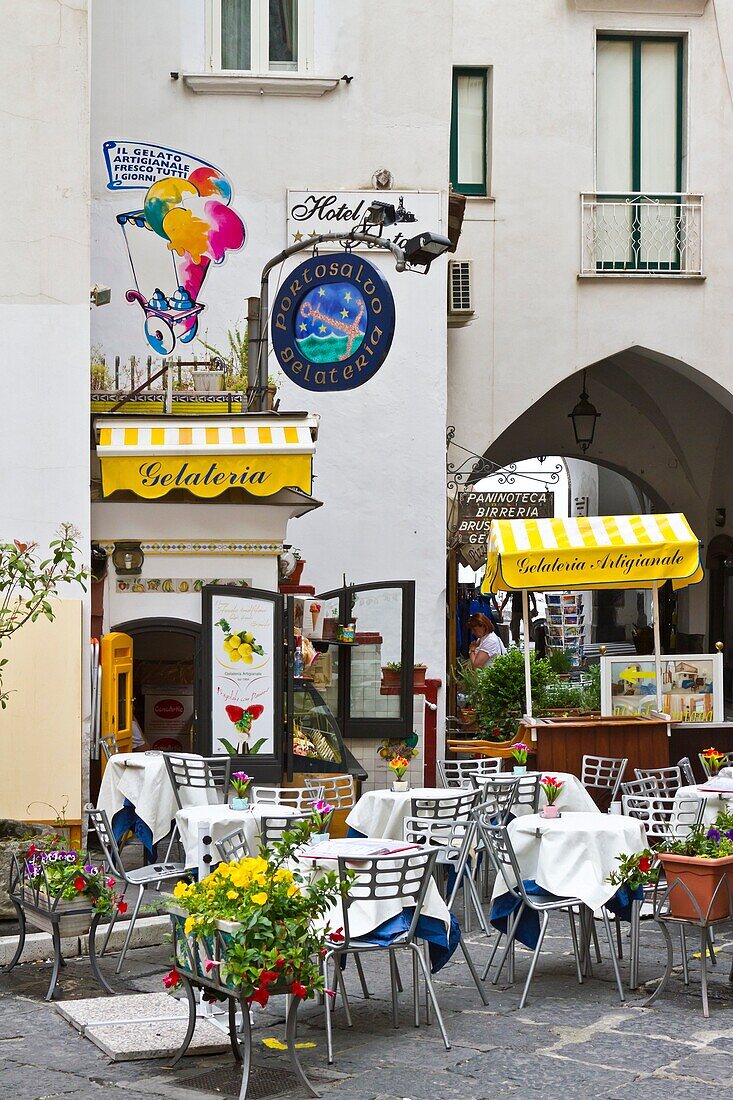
(584, 417)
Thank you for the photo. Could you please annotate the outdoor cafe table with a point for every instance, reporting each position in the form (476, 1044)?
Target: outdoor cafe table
(136, 793)
(437, 925)
(382, 813)
(201, 826)
(572, 855)
(573, 797)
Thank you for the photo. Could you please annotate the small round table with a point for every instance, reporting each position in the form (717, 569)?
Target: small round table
(382, 813)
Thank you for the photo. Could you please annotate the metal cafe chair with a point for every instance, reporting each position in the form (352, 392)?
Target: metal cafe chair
(603, 773)
(664, 818)
(496, 838)
(455, 849)
(725, 762)
(458, 773)
(669, 780)
(400, 877)
(108, 744)
(445, 808)
(195, 773)
(233, 846)
(501, 791)
(338, 790)
(648, 786)
(688, 774)
(302, 798)
(138, 878)
(221, 769)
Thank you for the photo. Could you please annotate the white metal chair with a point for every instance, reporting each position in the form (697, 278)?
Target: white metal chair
(233, 846)
(302, 798)
(458, 773)
(496, 838)
(499, 792)
(404, 878)
(338, 790)
(108, 744)
(646, 786)
(665, 818)
(195, 773)
(669, 780)
(139, 877)
(688, 774)
(445, 808)
(603, 773)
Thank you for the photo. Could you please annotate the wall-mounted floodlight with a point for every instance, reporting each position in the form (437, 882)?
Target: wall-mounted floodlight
(420, 251)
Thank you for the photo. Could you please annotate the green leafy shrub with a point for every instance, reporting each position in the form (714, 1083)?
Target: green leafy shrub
(496, 691)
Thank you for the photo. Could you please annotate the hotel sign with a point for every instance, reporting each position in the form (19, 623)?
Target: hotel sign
(314, 212)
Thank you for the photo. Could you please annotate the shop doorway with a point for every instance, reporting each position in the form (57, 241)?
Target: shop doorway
(165, 681)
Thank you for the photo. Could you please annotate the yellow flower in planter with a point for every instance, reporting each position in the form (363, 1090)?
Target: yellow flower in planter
(233, 894)
(181, 889)
(293, 889)
(189, 925)
(260, 898)
(283, 875)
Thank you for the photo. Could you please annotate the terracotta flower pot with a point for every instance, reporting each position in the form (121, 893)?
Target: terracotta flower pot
(701, 877)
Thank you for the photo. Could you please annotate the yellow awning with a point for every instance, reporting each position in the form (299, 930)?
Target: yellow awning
(150, 457)
(591, 552)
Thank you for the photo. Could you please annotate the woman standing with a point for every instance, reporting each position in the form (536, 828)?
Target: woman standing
(488, 644)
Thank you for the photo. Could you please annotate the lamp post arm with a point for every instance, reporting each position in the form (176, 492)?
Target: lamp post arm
(355, 237)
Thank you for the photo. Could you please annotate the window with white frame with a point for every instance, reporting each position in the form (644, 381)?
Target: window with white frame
(260, 36)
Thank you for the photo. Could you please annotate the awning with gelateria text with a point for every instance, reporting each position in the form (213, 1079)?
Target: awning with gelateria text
(206, 457)
(588, 552)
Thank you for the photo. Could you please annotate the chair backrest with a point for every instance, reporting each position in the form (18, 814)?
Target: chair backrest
(109, 746)
(502, 790)
(664, 818)
(99, 821)
(604, 773)
(501, 853)
(338, 790)
(528, 792)
(233, 846)
(724, 763)
(459, 773)
(650, 785)
(449, 837)
(190, 772)
(221, 769)
(402, 877)
(272, 826)
(302, 798)
(669, 780)
(685, 766)
(447, 807)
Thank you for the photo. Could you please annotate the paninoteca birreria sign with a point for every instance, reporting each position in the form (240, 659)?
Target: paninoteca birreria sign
(476, 511)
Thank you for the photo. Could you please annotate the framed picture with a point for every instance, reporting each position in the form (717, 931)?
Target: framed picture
(692, 686)
(242, 683)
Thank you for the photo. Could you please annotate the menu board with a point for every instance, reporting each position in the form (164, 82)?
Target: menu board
(245, 671)
(692, 686)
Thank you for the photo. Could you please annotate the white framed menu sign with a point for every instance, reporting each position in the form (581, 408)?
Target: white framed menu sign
(692, 686)
(242, 683)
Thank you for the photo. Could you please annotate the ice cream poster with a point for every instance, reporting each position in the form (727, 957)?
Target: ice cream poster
(243, 674)
(184, 227)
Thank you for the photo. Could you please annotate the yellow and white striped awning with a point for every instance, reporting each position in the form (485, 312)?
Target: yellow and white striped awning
(152, 457)
(591, 552)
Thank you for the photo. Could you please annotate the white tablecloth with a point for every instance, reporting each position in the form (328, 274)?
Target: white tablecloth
(141, 777)
(365, 916)
(382, 813)
(573, 854)
(714, 803)
(195, 822)
(573, 798)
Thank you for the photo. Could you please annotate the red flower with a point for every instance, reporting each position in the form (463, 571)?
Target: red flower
(31, 851)
(279, 962)
(261, 996)
(267, 977)
(111, 882)
(645, 864)
(255, 710)
(172, 979)
(121, 906)
(299, 990)
(235, 714)
(80, 884)
(337, 936)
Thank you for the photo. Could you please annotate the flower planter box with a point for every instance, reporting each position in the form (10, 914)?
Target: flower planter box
(702, 877)
(208, 381)
(74, 916)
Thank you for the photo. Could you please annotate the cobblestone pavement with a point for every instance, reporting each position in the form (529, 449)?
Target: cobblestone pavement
(570, 1040)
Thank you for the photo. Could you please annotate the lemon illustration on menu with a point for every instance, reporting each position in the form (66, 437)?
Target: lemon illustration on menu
(239, 645)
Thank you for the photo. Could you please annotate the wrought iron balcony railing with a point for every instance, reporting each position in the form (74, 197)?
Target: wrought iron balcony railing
(639, 234)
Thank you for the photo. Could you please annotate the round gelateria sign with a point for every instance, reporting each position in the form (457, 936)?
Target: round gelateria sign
(333, 322)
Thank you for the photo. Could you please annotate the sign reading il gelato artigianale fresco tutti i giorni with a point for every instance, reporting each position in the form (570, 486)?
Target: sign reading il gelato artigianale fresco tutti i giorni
(333, 322)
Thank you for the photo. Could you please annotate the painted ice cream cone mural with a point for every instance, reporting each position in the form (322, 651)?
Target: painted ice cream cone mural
(185, 225)
(315, 610)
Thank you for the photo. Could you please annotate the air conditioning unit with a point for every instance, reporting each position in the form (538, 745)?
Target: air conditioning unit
(460, 288)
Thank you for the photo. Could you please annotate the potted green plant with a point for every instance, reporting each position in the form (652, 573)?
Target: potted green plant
(208, 377)
(392, 676)
(398, 765)
(240, 782)
(496, 692)
(699, 871)
(321, 818)
(551, 788)
(519, 751)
